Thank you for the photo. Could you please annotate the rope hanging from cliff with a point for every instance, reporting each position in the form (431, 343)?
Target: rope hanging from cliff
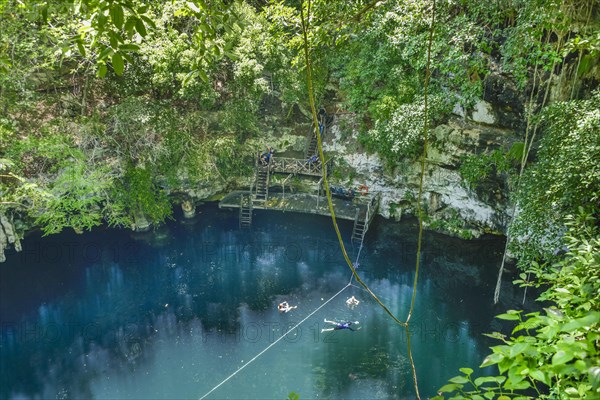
(305, 27)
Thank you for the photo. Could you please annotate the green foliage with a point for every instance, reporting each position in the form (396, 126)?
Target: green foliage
(44, 154)
(107, 32)
(554, 354)
(399, 137)
(293, 396)
(566, 176)
(74, 200)
(283, 42)
(451, 223)
(136, 127)
(476, 168)
(220, 158)
(139, 194)
(17, 195)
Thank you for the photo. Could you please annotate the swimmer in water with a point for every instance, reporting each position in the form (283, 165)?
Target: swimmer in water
(352, 302)
(285, 307)
(339, 325)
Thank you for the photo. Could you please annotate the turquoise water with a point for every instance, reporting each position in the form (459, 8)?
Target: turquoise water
(170, 314)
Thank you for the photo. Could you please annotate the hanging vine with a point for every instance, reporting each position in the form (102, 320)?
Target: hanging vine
(305, 23)
(531, 128)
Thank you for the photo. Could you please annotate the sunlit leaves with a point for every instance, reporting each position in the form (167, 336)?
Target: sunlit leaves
(565, 176)
(398, 138)
(100, 29)
(74, 199)
(555, 353)
(117, 15)
(102, 69)
(117, 63)
(214, 20)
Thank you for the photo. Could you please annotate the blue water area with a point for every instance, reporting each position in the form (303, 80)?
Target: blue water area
(173, 313)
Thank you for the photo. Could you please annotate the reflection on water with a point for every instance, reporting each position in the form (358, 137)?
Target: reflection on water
(170, 314)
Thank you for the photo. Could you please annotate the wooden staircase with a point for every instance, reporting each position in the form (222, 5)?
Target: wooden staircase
(261, 191)
(312, 147)
(246, 211)
(360, 228)
(361, 222)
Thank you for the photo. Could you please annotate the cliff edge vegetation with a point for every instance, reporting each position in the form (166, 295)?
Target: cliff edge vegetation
(112, 111)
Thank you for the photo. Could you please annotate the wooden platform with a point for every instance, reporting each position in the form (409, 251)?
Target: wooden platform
(302, 203)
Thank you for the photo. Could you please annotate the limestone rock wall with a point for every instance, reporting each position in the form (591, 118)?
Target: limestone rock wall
(8, 236)
(451, 207)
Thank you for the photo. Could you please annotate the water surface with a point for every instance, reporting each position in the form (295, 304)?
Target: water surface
(172, 313)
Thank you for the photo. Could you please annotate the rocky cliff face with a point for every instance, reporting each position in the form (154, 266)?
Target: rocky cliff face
(451, 207)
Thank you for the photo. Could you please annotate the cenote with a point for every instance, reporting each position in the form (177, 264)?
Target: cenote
(170, 314)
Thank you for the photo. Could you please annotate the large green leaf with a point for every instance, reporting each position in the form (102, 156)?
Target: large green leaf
(449, 388)
(459, 380)
(118, 64)
(129, 47)
(587, 321)
(508, 317)
(492, 359)
(562, 357)
(101, 70)
(117, 15)
(140, 27)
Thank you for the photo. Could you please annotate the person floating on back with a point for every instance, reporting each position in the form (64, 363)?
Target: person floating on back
(352, 302)
(285, 307)
(339, 325)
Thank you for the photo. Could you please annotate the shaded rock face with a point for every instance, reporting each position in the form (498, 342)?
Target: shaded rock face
(506, 101)
(451, 206)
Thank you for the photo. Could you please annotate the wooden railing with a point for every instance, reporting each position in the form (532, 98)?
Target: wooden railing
(298, 166)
